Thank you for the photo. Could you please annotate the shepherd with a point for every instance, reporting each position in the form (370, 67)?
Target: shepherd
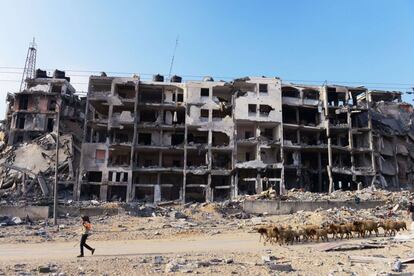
(86, 229)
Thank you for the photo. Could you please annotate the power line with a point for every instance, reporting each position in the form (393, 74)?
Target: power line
(372, 87)
(201, 76)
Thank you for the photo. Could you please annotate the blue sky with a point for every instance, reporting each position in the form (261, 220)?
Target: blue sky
(365, 42)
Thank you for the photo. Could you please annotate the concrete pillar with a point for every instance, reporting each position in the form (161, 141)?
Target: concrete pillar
(320, 188)
(130, 195)
(209, 190)
(258, 187)
(157, 193)
(104, 192)
(232, 187)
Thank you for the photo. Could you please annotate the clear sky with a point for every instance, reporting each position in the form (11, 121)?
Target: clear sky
(363, 42)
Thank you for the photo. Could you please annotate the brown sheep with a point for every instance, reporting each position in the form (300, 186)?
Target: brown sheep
(363, 227)
(358, 227)
(401, 225)
(346, 229)
(369, 226)
(310, 230)
(262, 232)
(267, 233)
(390, 227)
(334, 229)
(321, 233)
(299, 232)
(285, 235)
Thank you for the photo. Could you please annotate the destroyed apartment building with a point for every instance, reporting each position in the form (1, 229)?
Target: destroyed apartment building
(32, 118)
(214, 140)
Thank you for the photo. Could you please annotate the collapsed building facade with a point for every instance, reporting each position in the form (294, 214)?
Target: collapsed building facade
(45, 105)
(213, 140)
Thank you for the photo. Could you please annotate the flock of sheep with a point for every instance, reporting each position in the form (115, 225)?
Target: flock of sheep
(287, 235)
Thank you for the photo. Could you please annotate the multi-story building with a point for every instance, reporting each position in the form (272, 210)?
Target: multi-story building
(32, 111)
(213, 140)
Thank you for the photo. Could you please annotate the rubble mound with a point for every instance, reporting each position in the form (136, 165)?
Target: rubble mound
(27, 170)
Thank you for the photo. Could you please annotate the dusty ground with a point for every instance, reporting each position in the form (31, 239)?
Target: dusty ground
(224, 254)
(206, 242)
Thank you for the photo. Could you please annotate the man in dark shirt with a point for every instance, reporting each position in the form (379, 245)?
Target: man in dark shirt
(411, 210)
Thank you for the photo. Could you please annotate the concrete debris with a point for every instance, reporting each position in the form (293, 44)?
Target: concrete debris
(396, 266)
(394, 200)
(10, 221)
(158, 260)
(44, 269)
(280, 267)
(344, 246)
(268, 258)
(29, 169)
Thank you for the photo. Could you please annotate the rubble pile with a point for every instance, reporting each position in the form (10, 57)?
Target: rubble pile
(27, 170)
(366, 194)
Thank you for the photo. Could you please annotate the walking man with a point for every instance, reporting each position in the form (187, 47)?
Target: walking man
(86, 228)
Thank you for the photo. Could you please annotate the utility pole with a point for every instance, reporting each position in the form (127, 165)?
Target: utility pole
(55, 188)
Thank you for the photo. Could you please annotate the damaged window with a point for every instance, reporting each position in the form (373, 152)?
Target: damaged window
(252, 109)
(145, 194)
(265, 110)
(205, 92)
(126, 91)
(268, 133)
(23, 102)
(20, 121)
(56, 88)
(204, 113)
(150, 95)
(220, 139)
(52, 105)
(248, 134)
(309, 116)
(118, 176)
(220, 114)
(94, 176)
(50, 124)
(118, 159)
(177, 139)
(148, 116)
(263, 87)
(221, 161)
(336, 98)
(117, 193)
(179, 98)
(247, 156)
(289, 115)
(144, 138)
(288, 91)
(311, 94)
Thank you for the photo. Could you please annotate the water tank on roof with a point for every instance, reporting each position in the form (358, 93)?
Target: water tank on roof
(40, 74)
(59, 74)
(208, 78)
(158, 77)
(176, 78)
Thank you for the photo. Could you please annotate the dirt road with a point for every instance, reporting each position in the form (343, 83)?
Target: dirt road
(136, 257)
(57, 250)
